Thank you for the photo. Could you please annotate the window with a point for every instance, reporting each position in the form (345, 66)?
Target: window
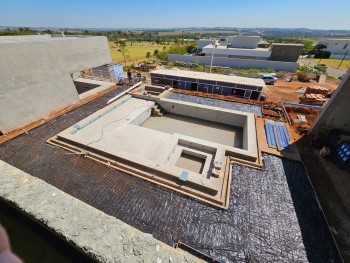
(194, 86)
(345, 46)
(238, 92)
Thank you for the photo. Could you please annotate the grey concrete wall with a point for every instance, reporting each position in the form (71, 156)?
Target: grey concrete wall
(81, 53)
(32, 85)
(35, 76)
(335, 114)
(204, 113)
(102, 237)
(237, 63)
(286, 52)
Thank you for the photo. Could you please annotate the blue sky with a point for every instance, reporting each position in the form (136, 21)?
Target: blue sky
(318, 14)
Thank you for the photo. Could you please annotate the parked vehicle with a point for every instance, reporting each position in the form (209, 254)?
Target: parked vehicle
(268, 79)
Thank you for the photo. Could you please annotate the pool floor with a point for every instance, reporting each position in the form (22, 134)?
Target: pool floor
(201, 129)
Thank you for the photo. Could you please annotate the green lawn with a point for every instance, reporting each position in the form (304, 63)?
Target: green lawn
(136, 52)
(334, 63)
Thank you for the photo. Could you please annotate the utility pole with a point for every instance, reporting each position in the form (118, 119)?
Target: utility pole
(212, 57)
(343, 58)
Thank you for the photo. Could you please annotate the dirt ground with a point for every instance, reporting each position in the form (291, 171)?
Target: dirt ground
(286, 91)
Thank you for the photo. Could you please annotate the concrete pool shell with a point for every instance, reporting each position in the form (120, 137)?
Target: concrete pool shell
(128, 135)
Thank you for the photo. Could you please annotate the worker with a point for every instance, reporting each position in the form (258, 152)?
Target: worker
(129, 75)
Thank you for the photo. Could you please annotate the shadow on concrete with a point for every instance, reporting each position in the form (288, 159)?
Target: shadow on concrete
(313, 225)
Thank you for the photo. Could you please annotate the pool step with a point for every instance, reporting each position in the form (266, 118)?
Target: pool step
(157, 111)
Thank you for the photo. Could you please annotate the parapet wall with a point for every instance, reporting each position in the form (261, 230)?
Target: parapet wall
(102, 237)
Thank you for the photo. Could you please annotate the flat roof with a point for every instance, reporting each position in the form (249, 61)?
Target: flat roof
(210, 76)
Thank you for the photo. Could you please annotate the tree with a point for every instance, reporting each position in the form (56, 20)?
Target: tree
(156, 53)
(148, 55)
(308, 46)
(122, 49)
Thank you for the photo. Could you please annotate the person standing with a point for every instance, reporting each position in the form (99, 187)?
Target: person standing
(129, 75)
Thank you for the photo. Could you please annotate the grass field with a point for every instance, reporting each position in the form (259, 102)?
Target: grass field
(334, 63)
(136, 52)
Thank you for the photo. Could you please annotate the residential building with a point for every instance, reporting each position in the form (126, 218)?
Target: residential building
(244, 51)
(339, 48)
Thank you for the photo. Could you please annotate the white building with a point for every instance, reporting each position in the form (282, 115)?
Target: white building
(244, 51)
(338, 47)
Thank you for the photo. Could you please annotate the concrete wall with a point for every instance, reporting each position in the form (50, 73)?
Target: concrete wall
(241, 41)
(81, 53)
(32, 86)
(263, 53)
(35, 76)
(335, 114)
(237, 63)
(204, 42)
(286, 52)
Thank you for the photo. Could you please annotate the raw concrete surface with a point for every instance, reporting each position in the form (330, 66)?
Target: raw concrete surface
(88, 87)
(35, 76)
(335, 115)
(103, 237)
(202, 129)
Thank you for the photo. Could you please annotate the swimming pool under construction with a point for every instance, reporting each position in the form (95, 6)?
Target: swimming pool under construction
(272, 215)
(183, 146)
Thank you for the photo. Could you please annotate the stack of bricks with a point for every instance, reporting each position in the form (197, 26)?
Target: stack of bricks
(313, 99)
(314, 95)
(316, 90)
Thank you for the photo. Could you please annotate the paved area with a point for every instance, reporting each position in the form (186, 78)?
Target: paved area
(273, 214)
(330, 70)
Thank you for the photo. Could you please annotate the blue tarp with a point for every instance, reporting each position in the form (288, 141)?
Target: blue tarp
(118, 71)
(277, 135)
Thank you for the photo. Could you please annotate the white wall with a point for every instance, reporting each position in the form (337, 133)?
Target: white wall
(204, 42)
(241, 41)
(263, 53)
(237, 62)
(336, 46)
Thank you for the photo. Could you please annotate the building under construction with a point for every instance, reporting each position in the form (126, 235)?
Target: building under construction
(146, 173)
